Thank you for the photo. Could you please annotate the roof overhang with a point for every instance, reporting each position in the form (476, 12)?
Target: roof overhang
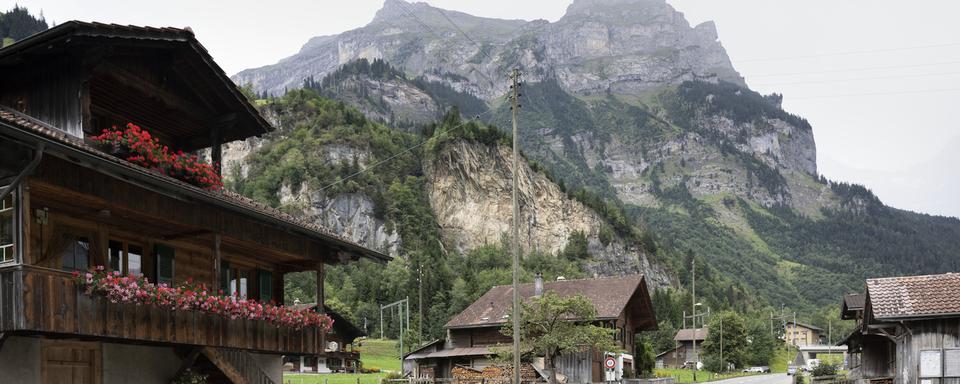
(77, 36)
(168, 186)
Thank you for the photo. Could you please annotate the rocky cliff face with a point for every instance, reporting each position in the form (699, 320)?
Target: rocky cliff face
(625, 46)
(469, 186)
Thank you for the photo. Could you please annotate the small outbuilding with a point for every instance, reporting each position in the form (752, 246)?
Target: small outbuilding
(909, 331)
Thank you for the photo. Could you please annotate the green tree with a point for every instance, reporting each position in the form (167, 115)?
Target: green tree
(734, 335)
(761, 346)
(645, 358)
(547, 329)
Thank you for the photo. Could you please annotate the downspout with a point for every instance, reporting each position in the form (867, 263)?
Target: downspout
(26, 171)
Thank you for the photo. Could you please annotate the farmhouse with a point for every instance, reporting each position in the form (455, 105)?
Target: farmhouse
(622, 304)
(683, 352)
(909, 330)
(113, 247)
(801, 335)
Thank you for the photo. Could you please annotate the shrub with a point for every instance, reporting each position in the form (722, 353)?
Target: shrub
(824, 369)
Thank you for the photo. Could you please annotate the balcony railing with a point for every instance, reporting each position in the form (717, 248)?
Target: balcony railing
(45, 301)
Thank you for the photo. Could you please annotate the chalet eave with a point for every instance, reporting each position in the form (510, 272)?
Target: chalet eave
(173, 188)
(501, 323)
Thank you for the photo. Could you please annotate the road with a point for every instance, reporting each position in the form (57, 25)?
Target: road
(776, 378)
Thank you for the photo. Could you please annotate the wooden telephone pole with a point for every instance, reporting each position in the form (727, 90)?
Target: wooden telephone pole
(515, 109)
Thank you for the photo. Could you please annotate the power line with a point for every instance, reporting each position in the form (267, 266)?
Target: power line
(850, 52)
(856, 69)
(861, 78)
(398, 154)
(479, 47)
(877, 93)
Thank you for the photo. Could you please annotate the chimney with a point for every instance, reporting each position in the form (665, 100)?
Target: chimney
(538, 285)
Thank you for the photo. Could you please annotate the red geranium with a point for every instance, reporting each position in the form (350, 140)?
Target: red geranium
(146, 151)
(136, 289)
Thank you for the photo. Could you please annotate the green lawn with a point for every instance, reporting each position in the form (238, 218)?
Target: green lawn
(782, 357)
(382, 354)
(686, 375)
(332, 378)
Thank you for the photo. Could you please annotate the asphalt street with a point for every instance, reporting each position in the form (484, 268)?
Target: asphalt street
(776, 378)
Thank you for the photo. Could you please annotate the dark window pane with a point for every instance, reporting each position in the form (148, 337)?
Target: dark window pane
(7, 231)
(266, 286)
(165, 264)
(134, 260)
(115, 254)
(225, 277)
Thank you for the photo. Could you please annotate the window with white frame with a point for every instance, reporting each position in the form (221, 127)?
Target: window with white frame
(8, 232)
(951, 362)
(931, 363)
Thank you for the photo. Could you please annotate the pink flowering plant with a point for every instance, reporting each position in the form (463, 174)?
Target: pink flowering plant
(136, 289)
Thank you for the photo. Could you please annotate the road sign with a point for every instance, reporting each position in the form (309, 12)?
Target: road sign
(610, 362)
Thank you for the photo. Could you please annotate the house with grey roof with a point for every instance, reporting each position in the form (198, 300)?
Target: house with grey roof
(621, 303)
(909, 331)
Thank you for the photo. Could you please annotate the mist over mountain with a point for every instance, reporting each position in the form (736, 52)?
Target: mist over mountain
(628, 110)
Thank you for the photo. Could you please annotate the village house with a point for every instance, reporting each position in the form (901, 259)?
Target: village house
(622, 304)
(339, 354)
(908, 330)
(800, 334)
(71, 204)
(683, 354)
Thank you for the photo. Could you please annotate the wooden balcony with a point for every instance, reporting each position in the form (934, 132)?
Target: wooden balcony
(35, 300)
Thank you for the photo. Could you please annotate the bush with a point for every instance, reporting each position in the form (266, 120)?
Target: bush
(798, 378)
(392, 376)
(824, 369)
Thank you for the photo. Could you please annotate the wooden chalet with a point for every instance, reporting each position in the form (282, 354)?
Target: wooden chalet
(683, 353)
(908, 330)
(67, 206)
(339, 355)
(622, 304)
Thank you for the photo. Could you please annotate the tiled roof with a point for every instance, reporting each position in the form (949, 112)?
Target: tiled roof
(851, 304)
(688, 334)
(914, 296)
(808, 326)
(609, 296)
(16, 120)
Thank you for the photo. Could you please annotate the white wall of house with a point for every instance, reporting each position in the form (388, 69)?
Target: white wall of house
(20, 360)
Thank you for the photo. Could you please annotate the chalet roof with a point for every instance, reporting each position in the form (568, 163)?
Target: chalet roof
(83, 37)
(610, 297)
(914, 296)
(808, 326)
(688, 334)
(851, 304)
(30, 131)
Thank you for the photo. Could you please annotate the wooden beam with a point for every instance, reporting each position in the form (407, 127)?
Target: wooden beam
(320, 293)
(187, 362)
(152, 90)
(216, 262)
(181, 235)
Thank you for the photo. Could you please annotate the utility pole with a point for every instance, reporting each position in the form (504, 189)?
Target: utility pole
(723, 367)
(693, 305)
(420, 305)
(515, 109)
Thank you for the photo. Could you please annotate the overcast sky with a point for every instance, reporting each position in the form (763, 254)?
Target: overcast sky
(878, 80)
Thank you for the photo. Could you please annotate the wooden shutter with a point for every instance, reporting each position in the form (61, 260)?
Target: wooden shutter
(165, 257)
(265, 282)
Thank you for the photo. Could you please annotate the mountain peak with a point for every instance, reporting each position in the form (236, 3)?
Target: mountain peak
(590, 6)
(393, 9)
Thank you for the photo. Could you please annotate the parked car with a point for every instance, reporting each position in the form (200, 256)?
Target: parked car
(689, 365)
(791, 370)
(757, 370)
